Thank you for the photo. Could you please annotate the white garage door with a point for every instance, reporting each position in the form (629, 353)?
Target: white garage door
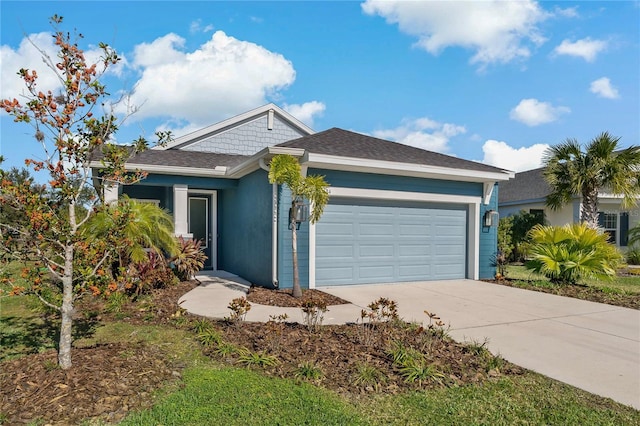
(360, 242)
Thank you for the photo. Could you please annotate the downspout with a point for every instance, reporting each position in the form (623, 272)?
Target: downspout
(274, 227)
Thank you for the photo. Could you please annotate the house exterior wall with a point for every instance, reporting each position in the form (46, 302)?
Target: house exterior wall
(248, 138)
(553, 217)
(244, 229)
(571, 213)
(487, 236)
(488, 239)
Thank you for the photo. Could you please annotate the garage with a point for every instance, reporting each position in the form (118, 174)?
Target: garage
(373, 241)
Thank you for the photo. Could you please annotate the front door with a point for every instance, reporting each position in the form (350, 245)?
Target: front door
(200, 225)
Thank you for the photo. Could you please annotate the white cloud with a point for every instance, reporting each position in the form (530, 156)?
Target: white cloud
(568, 12)
(29, 55)
(197, 27)
(500, 154)
(498, 31)
(423, 133)
(603, 88)
(532, 112)
(586, 48)
(306, 112)
(224, 76)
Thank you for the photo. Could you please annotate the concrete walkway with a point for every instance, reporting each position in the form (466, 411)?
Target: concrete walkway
(593, 346)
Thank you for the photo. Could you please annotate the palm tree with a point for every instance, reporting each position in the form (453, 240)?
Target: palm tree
(134, 227)
(571, 172)
(285, 169)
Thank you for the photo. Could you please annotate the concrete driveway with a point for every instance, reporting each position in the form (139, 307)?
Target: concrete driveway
(592, 346)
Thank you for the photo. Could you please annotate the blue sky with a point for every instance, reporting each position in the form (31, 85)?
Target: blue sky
(495, 82)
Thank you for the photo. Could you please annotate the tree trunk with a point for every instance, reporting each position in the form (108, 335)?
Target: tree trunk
(589, 209)
(67, 311)
(297, 291)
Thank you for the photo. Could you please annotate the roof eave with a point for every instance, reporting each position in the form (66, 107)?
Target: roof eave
(332, 162)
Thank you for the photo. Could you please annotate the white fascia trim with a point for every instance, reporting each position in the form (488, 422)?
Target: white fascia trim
(381, 194)
(218, 171)
(331, 162)
(473, 220)
(235, 120)
(253, 162)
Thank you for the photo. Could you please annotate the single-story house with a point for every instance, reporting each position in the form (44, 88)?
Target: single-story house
(528, 192)
(396, 213)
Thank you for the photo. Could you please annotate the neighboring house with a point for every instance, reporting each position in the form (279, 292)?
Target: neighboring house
(396, 213)
(528, 191)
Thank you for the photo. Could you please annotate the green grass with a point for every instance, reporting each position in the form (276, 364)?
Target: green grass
(22, 330)
(629, 285)
(243, 397)
(530, 399)
(230, 396)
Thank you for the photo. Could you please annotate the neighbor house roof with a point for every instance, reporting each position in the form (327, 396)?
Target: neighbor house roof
(526, 186)
(343, 143)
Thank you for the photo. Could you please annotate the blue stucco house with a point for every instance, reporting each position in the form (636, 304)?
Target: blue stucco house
(396, 213)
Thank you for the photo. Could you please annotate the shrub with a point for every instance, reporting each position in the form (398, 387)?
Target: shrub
(313, 313)
(633, 256)
(239, 308)
(189, 260)
(572, 252)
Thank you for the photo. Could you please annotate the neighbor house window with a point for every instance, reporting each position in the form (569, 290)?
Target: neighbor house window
(539, 214)
(609, 223)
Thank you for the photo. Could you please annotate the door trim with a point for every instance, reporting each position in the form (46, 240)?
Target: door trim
(213, 224)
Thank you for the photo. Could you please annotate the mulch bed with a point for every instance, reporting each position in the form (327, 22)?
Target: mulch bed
(104, 383)
(284, 297)
(578, 291)
(342, 351)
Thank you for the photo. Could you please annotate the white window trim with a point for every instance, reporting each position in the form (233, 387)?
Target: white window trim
(473, 220)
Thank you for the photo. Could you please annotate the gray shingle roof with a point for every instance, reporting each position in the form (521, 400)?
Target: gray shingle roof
(180, 158)
(344, 143)
(529, 185)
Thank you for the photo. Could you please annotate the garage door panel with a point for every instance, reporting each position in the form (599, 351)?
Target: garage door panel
(417, 230)
(390, 243)
(335, 251)
(375, 230)
(382, 272)
(369, 251)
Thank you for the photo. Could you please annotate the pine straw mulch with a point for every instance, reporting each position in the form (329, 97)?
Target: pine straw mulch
(108, 381)
(577, 291)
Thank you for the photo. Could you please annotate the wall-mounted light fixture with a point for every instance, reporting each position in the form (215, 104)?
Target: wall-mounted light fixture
(490, 218)
(299, 212)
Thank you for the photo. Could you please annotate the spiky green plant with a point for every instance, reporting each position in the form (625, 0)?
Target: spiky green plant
(308, 371)
(259, 359)
(572, 252)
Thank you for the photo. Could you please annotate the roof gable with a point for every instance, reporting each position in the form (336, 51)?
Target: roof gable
(244, 134)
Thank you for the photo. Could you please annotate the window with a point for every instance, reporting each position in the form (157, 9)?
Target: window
(609, 223)
(539, 215)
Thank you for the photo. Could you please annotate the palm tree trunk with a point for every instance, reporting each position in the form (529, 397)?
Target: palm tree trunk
(589, 209)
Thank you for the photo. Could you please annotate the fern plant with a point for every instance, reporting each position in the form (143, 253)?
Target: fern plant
(572, 252)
